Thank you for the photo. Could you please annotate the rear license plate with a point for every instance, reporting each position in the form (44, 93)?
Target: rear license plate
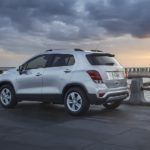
(115, 75)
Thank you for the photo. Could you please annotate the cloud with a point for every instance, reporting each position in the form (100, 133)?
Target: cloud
(24, 13)
(120, 17)
(29, 25)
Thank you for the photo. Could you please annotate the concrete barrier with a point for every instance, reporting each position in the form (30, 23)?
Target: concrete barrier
(137, 86)
(137, 94)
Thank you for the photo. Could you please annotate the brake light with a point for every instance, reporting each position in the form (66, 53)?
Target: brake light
(95, 76)
(101, 94)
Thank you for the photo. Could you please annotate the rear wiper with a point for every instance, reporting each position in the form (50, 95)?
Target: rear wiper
(110, 64)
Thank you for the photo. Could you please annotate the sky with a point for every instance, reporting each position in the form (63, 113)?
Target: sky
(121, 27)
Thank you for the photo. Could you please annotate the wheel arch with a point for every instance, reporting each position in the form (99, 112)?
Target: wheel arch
(6, 83)
(79, 85)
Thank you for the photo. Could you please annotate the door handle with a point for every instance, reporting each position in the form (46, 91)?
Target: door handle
(38, 74)
(67, 71)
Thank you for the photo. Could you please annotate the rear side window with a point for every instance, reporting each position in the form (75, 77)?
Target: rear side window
(71, 60)
(62, 60)
(102, 59)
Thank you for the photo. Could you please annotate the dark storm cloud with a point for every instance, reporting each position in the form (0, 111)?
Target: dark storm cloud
(120, 17)
(23, 13)
(70, 20)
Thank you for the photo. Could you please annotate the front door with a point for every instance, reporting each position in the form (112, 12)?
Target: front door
(30, 81)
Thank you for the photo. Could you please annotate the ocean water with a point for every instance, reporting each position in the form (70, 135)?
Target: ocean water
(146, 93)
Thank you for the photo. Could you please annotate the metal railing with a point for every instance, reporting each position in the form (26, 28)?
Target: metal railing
(138, 72)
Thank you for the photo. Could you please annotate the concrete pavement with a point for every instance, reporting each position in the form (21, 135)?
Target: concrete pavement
(33, 126)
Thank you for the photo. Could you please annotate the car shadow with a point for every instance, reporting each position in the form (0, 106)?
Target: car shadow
(57, 113)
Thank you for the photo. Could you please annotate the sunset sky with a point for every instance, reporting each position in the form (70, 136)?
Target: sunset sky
(122, 27)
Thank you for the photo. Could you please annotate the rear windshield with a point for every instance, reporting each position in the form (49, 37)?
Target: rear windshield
(102, 59)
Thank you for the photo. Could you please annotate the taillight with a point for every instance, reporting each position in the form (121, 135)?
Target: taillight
(95, 76)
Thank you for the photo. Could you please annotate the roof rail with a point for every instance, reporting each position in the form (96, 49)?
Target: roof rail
(49, 50)
(94, 50)
(77, 49)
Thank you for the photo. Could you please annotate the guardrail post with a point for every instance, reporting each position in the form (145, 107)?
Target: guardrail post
(137, 95)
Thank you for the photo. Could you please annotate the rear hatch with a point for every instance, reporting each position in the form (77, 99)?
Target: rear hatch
(112, 73)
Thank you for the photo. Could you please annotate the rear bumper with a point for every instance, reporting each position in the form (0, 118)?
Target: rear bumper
(108, 97)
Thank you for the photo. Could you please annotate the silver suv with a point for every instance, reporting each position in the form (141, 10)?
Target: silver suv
(75, 78)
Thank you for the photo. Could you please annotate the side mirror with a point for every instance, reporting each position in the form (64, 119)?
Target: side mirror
(21, 69)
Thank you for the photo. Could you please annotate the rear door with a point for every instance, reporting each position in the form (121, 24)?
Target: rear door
(111, 71)
(57, 74)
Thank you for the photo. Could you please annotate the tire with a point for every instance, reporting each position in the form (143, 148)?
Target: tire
(112, 105)
(76, 102)
(7, 96)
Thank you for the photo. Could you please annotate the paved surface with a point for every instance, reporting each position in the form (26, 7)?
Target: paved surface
(33, 126)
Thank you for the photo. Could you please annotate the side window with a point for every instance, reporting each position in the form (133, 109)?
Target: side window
(62, 60)
(38, 62)
(71, 60)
